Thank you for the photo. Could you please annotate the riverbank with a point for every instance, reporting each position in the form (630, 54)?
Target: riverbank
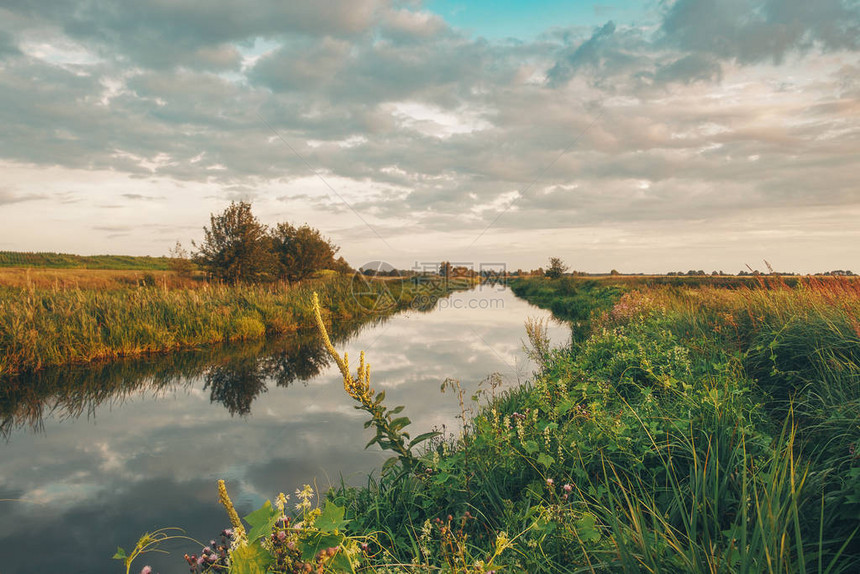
(42, 327)
(694, 429)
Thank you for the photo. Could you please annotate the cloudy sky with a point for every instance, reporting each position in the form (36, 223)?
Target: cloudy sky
(645, 136)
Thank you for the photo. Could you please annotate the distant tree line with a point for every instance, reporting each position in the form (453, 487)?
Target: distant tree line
(237, 248)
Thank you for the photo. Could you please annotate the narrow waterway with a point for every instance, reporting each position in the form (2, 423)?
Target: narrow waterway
(92, 458)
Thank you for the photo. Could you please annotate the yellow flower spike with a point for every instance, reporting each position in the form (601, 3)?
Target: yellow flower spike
(359, 388)
(238, 530)
(342, 364)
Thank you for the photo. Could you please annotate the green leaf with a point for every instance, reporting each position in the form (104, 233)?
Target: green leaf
(565, 406)
(586, 529)
(400, 422)
(331, 518)
(422, 437)
(120, 554)
(319, 541)
(389, 464)
(341, 563)
(545, 460)
(530, 446)
(250, 559)
(262, 521)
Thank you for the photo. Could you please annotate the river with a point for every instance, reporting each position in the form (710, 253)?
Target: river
(90, 458)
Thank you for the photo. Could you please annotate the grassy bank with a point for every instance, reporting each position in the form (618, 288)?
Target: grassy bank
(694, 430)
(41, 327)
(70, 261)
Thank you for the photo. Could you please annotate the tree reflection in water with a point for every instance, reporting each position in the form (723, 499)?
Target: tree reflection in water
(234, 374)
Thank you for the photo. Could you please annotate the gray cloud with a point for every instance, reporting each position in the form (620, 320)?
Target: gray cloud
(755, 30)
(415, 122)
(8, 47)
(199, 34)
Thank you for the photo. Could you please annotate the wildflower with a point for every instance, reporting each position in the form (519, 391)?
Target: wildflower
(281, 502)
(502, 541)
(238, 529)
(550, 482)
(282, 536)
(304, 495)
(146, 570)
(567, 487)
(357, 388)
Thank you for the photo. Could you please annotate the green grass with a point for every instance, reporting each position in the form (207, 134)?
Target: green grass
(694, 429)
(43, 327)
(69, 261)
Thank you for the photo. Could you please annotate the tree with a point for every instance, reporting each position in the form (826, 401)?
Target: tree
(557, 268)
(445, 269)
(236, 248)
(301, 251)
(180, 262)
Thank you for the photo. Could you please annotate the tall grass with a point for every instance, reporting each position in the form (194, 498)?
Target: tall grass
(46, 327)
(691, 429)
(70, 261)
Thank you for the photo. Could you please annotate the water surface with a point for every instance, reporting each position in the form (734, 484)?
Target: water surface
(96, 456)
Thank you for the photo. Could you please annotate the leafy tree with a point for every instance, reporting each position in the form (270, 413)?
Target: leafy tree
(236, 247)
(342, 266)
(557, 268)
(302, 250)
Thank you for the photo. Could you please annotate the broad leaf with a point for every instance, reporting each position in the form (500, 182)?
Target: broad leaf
(545, 460)
(340, 563)
(250, 559)
(331, 518)
(262, 521)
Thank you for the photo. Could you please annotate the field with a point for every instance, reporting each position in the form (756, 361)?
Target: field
(689, 429)
(70, 261)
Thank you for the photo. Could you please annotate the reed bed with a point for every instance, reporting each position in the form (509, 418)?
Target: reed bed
(41, 327)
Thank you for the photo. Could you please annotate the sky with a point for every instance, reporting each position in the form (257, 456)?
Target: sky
(650, 136)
